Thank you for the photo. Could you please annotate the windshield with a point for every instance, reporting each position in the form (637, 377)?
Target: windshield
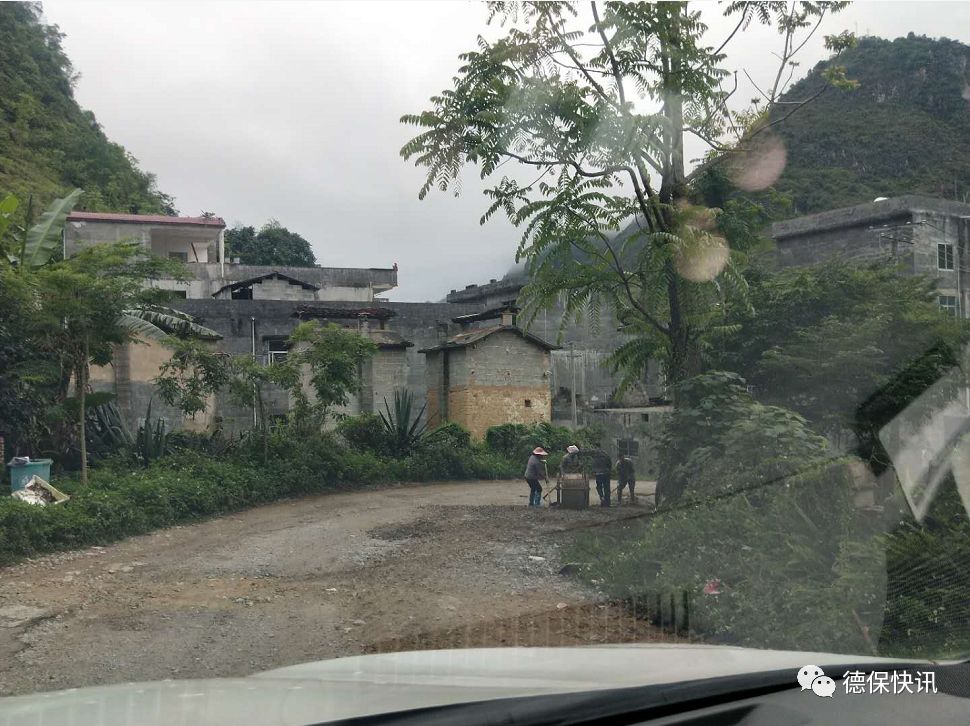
(347, 329)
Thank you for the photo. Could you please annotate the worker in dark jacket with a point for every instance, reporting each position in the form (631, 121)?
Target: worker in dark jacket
(601, 470)
(627, 477)
(534, 471)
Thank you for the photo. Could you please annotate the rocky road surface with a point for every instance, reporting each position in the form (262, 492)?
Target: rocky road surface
(402, 568)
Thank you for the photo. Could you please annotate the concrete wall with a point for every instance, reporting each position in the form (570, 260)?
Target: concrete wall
(641, 424)
(858, 242)
(199, 244)
(384, 374)
(907, 230)
(278, 289)
(424, 324)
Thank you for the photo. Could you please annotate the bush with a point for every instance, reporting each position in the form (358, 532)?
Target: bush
(366, 432)
(516, 441)
(452, 434)
(193, 482)
(767, 517)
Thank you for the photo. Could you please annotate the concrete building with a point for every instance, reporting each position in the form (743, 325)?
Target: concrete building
(199, 242)
(489, 375)
(229, 297)
(922, 234)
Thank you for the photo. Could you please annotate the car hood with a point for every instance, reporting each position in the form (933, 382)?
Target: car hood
(371, 684)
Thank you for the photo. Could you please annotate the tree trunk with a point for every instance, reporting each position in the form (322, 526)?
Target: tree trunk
(82, 385)
(684, 356)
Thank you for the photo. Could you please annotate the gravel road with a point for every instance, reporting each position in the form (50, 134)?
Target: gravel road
(444, 565)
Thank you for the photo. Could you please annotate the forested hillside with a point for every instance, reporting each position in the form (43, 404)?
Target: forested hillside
(904, 130)
(48, 143)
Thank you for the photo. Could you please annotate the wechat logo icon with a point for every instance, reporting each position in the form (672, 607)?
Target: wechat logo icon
(812, 677)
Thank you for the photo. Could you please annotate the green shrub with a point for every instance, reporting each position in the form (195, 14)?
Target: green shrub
(366, 432)
(453, 434)
(516, 441)
(767, 513)
(767, 517)
(192, 483)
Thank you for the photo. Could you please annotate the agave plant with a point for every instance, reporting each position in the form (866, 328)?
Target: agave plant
(404, 432)
(152, 439)
(107, 430)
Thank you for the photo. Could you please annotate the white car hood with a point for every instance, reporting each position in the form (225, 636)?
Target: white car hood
(365, 685)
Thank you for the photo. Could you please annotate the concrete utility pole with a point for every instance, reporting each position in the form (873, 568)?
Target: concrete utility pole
(572, 389)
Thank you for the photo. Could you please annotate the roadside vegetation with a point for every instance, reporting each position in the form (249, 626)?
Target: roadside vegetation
(781, 380)
(201, 475)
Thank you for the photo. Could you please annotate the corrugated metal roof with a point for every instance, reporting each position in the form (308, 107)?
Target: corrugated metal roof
(145, 219)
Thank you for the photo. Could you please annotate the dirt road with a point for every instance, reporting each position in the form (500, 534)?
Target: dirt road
(444, 565)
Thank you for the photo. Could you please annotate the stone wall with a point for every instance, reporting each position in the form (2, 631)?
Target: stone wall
(424, 324)
(503, 378)
(478, 408)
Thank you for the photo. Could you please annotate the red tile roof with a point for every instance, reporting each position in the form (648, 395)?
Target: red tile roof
(145, 219)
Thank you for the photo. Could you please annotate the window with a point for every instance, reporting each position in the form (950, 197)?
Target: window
(242, 293)
(528, 403)
(277, 349)
(644, 417)
(179, 294)
(949, 303)
(944, 256)
(180, 256)
(628, 447)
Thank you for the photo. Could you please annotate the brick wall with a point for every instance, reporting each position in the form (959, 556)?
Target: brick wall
(479, 407)
(501, 379)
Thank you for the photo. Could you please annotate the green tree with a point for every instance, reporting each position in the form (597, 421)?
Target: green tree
(332, 358)
(847, 346)
(322, 370)
(557, 96)
(50, 145)
(194, 373)
(272, 245)
(94, 301)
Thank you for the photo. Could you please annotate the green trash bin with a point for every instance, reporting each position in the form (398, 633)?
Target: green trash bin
(20, 472)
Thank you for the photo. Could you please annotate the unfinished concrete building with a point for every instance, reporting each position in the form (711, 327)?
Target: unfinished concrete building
(489, 374)
(228, 298)
(922, 234)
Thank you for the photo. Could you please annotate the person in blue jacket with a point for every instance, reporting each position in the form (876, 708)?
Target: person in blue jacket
(534, 471)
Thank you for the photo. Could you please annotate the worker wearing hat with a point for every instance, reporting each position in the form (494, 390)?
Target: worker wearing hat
(535, 470)
(571, 463)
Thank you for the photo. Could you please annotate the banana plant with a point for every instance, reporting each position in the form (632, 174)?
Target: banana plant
(36, 243)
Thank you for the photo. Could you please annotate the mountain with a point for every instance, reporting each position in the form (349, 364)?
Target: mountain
(48, 143)
(904, 130)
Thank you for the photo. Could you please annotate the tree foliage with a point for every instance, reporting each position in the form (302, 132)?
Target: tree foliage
(333, 357)
(272, 245)
(50, 145)
(847, 346)
(595, 112)
(903, 130)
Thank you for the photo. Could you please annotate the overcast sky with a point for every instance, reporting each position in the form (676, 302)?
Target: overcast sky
(289, 110)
